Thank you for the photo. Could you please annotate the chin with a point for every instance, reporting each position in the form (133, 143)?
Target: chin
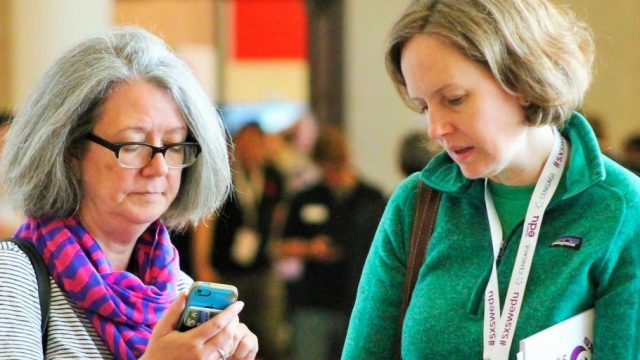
(146, 215)
(471, 174)
(143, 220)
(477, 172)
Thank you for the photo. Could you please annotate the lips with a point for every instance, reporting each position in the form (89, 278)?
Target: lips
(461, 153)
(148, 192)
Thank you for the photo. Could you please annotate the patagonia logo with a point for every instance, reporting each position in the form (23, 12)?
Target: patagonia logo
(572, 242)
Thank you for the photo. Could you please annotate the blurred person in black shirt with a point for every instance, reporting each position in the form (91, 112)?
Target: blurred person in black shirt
(329, 227)
(233, 247)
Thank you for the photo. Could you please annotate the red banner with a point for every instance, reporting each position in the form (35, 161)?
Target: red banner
(270, 29)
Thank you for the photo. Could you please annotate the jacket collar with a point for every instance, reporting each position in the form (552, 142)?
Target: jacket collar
(585, 167)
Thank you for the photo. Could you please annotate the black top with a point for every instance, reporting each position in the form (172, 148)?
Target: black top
(350, 220)
(232, 217)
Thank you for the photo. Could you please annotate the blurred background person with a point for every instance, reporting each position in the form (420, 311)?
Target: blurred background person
(290, 152)
(602, 135)
(329, 227)
(233, 247)
(631, 153)
(414, 152)
(10, 218)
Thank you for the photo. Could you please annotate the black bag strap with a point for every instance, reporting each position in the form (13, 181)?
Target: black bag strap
(44, 286)
(424, 219)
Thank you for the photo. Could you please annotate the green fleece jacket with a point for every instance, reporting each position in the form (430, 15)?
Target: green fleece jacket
(597, 201)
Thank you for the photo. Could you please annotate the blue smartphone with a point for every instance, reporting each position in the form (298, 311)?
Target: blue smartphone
(206, 300)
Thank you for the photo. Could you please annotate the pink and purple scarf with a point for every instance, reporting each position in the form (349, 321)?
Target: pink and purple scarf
(122, 307)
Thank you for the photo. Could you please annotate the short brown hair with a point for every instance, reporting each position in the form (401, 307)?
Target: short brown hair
(534, 49)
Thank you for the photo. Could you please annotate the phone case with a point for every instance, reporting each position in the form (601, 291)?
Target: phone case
(204, 301)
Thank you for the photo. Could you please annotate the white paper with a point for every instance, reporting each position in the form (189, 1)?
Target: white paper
(571, 339)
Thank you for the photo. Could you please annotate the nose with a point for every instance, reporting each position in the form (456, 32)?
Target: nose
(438, 124)
(156, 167)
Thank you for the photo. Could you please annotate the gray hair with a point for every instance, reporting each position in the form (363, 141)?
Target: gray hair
(534, 49)
(46, 133)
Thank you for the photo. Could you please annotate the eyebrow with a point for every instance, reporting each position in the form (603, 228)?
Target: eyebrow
(140, 129)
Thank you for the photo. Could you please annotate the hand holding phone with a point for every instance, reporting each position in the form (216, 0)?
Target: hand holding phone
(206, 300)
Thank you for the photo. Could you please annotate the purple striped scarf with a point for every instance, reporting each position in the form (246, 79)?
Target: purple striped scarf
(122, 307)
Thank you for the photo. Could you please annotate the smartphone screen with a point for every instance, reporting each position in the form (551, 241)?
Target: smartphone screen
(204, 301)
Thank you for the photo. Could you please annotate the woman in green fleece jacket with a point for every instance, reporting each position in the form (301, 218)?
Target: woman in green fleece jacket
(535, 224)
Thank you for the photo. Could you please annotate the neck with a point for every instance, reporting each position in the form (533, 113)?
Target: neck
(530, 158)
(116, 241)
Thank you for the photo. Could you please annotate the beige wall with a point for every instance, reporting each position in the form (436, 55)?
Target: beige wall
(374, 114)
(177, 21)
(616, 88)
(249, 81)
(188, 26)
(40, 31)
(5, 64)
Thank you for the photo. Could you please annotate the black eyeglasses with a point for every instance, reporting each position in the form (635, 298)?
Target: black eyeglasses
(136, 155)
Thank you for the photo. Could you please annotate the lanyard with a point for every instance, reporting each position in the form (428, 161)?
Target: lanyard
(498, 330)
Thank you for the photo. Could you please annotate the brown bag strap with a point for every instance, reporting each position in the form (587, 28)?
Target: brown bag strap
(423, 221)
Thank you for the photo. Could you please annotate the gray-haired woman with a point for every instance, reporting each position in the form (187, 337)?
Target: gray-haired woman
(116, 143)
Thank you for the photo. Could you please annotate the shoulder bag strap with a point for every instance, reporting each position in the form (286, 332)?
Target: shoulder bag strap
(44, 286)
(423, 221)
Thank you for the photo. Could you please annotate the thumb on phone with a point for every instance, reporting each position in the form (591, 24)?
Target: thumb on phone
(169, 321)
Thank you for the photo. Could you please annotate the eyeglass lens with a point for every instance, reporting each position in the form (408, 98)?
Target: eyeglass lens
(139, 155)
